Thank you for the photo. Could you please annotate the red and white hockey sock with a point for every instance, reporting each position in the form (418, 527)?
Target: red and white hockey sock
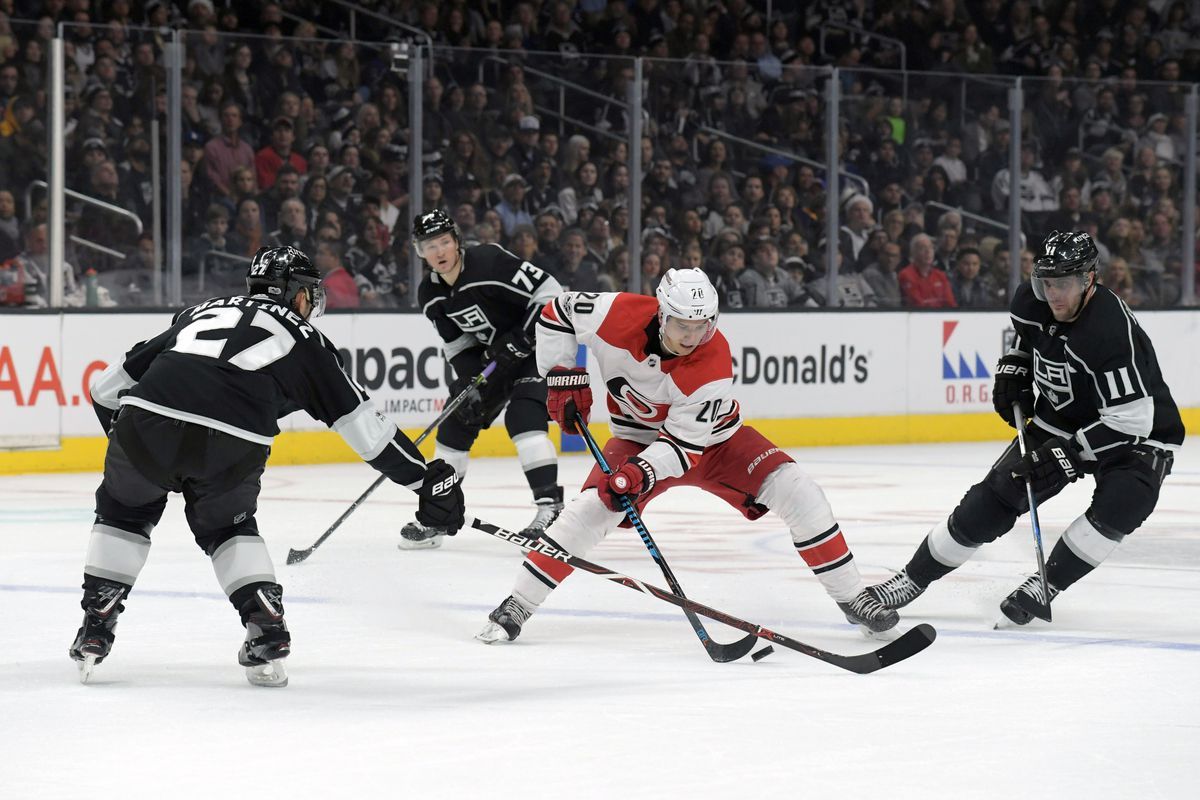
(830, 559)
(539, 576)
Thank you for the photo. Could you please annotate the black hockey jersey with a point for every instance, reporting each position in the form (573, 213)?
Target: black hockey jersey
(496, 293)
(238, 364)
(1097, 378)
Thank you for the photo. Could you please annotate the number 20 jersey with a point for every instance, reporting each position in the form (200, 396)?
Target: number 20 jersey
(678, 406)
(238, 364)
(1097, 377)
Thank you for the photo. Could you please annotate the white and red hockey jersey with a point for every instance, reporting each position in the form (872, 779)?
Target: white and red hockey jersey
(677, 405)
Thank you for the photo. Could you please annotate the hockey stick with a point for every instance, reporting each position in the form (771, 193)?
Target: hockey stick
(1039, 610)
(909, 644)
(296, 556)
(717, 651)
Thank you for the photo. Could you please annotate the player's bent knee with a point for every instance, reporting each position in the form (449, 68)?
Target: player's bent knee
(525, 415)
(1124, 499)
(582, 524)
(985, 513)
(798, 500)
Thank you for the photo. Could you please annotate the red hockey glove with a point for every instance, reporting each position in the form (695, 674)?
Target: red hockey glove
(632, 479)
(568, 394)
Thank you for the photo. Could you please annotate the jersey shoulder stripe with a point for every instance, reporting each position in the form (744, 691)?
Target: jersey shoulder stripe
(709, 363)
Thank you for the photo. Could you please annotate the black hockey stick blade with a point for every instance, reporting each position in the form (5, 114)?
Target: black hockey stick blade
(1030, 605)
(909, 644)
(722, 653)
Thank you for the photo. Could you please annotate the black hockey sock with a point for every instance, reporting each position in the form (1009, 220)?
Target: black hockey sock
(923, 568)
(1064, 568)
(247, 601)
(543, 480)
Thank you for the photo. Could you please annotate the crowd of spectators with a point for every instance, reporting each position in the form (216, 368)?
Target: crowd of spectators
(295, 135)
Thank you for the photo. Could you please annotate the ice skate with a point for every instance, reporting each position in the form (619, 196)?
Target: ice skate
(95, 638)
(504, 624)
(415, 536)
(869, 614)
(548, 509)
(268, 641)
(1019, 605)
(897, 591)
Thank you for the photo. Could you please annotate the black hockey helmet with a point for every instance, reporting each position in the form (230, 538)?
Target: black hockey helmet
(433, 224)
(281, 273)
(1064, 254)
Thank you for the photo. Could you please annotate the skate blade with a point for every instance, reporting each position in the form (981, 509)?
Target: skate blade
(419, 544)
(493, 634)
(86, 666)
(890, 635)
(271, 674)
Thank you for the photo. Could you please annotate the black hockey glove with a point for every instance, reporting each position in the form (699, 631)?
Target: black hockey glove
(509, 351)
(1014, 384)
(470, 410)
(440, 499)
(1051, 466)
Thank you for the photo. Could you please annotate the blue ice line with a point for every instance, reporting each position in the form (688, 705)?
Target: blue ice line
(13, 587)
(1012, 636)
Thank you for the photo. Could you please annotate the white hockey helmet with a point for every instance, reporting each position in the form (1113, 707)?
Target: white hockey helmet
(688, 294)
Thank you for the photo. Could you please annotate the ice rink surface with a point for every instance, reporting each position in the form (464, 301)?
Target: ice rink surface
(608, 692)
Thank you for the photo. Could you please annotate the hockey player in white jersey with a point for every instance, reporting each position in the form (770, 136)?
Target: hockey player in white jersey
(675, 422)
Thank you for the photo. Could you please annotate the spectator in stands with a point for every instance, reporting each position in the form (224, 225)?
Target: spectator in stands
(340, 197)
(293, 226)
(1037, 198)
(860, 219)
(576, 271)
(225, 153)
(10, 226)
(247, 234)
(549, 226)
(378, 274)
(512, 207)
(882, 276)
(1112, 175)
(971, 289)
(32, 265)
(726, 276)
(1119, 279)
(947, 245)
(102, 227)
(287, 187)
(921, 284)
(766, 284)
(583, 190)
(598, 244)
(269, 159)
(340, 288)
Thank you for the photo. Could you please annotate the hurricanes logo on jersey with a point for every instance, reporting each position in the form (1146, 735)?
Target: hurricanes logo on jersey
(472, 320)
(633, 403)
(1054, 381)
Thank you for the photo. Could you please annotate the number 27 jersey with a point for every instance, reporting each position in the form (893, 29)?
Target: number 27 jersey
(677, 405)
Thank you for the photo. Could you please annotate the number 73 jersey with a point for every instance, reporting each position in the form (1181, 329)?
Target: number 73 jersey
(677, 405)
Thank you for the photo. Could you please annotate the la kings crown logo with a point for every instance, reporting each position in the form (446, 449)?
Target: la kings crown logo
(1053, 380)
(472, 320)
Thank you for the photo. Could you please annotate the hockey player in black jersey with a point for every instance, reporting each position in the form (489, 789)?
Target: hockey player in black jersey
(194, 410)
(484, 302)
(1101, 407)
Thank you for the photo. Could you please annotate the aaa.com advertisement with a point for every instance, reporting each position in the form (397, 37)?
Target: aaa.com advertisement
(804, 365)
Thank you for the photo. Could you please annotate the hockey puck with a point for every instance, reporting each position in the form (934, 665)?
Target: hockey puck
(761, 654)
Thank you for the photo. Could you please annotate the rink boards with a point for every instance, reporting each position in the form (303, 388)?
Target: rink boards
(811, 378)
